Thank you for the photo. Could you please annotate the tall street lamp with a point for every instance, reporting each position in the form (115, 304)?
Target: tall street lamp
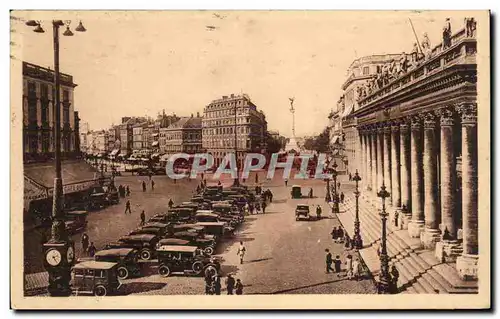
(335, 195)
(237, 179)
(357, 241)
(59, 253)
(384, 277)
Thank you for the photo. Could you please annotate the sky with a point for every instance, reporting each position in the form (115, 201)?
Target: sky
(140, 63)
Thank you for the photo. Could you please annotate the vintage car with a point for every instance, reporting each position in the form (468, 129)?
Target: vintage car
(95, 277)
(302, 212)
(154, 228)
(184, 211)
(218, 229)
(227, 210)
(296, 191)
(126, 258)
(112, 195)
(206, 216)
(76, 221)
(144, 243)
(186, 260)
(189, 239)
(98, 201)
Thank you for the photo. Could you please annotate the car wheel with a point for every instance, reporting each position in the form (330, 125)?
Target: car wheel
(210, 270)
(164, 271)
(122, 272)
(100, 291)
(209, 250)
(145, 254)
(197, 267)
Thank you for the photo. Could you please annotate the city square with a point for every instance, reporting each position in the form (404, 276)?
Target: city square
(374, 191)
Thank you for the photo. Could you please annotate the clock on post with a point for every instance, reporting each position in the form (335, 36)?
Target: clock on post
(59, 257)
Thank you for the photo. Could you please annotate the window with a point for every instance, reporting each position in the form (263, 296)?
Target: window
(366, 70)
(65, 95)
(32, 103)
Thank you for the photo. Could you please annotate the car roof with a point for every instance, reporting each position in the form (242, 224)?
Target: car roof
(302, 205)
(115, 251)
(92, 264)
(189, 249)
(296, 186)
(155, 224)
(210, 223)
(147, 237)
(166, 241)
(183, 233)
(204, 211)
(78, 212)
(188, 226)
(97, 194)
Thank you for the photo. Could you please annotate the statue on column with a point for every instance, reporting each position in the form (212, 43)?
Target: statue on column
(426, 46)
(470, 27)
(447, 34)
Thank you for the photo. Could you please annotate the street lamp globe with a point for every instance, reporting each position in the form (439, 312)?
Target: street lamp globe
(32, 23)
(80, 27)
(39, 29)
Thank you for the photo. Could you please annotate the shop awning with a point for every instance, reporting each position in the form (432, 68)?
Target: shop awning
(155, 143)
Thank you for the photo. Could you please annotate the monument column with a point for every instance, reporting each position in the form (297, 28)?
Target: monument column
(467, 263)
(387, 160)
(416, 226)
(431, 190)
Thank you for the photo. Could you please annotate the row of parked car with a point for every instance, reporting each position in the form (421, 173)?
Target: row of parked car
(181, 240)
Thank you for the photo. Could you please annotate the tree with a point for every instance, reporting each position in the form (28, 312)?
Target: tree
(274, 145)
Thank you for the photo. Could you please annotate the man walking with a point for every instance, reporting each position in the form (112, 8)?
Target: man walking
(92, 249)
(143, 186)
(143, 218)
(329, 261)
(286, 182)
(170, 203)
(217, 284)
(241, 252)
(85, 242)
(152, 185)
(230, 284)
(318, 212)
(264, 207)
(337, 264)
(342, 197)
(128, 191)
(127, 207)
(239, 287)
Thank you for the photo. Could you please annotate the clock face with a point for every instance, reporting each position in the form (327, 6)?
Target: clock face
(70, 255)
(53, 257)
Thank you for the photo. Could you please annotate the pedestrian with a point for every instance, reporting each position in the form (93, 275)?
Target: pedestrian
(230, 284)
(92, 249)
(127, 207)
(241, 252)
(347, 240)
(264, 207)
(334, 234)
(143, 186)
(329, 261)
(170, 203)
(396, 217)
(340, 234)
(239, 287)
(85, 242)
(152, 185)
(270, 196)
(208, 284)
(286, 182)
(355, 269)
(251, 208)
(318, 211)
(350, 177)
(128, 191)
(342, 197)
(143, 218)
(338, 265)
(394, 279)
(256, 178)
(348, 266)
(311, 193)
(338, 185)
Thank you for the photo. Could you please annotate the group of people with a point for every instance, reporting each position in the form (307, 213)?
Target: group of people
(213, 285)
(353, 266)
(152, 185)
(123, 191)
(88, 246)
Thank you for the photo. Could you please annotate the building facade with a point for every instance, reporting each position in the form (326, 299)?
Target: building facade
(183, 136)
(138, 136)
(222, 117)
(418, 137)
(38, 114)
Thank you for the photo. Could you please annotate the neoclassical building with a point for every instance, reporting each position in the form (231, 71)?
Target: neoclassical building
(417, 135)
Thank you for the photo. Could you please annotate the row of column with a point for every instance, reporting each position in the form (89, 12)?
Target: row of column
(403, 155)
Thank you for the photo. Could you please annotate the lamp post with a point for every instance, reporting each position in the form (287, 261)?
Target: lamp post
(59, 250)
(335, 195)
(237, 179)
(357, 241)
(384, 277)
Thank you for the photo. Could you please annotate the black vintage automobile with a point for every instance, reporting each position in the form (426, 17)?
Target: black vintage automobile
(126, 258)
(184, 213)
(190, 239)
(185, 260)
(153, 228)
(210, 216)
(206, 244)
(144, 243)
(296, 191)
(75, 221)
(95, 277)
(112, 195)
(218, 229)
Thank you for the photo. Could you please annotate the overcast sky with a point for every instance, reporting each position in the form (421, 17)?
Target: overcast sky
(139, 63)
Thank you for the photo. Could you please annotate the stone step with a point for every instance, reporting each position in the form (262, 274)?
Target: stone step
(446, 286)
(426, 285)
(436, 286)
(419, 288)
(449, 273)
(418, 263)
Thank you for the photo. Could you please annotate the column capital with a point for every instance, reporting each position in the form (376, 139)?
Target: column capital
(395, 126)
(446, 116)
(468, 111)
(387, 128)
(429, 120)
(416, 122)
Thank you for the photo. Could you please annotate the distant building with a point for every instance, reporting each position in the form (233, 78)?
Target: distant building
(137, 136)
(219, 127)
(84, 131)
(183, 136)
(38, 116)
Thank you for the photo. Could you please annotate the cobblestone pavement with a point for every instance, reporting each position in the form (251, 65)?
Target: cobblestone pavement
(283, 255)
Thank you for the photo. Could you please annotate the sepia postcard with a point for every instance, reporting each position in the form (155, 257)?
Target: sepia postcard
(250, 160)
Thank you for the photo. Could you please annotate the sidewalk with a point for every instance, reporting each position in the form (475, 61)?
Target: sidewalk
(36, 284)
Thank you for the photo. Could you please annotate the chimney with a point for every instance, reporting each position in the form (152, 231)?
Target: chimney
(232, 95)
(197, 114)
(224, 97)
(191, 115)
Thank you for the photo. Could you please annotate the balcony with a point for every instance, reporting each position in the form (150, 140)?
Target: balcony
(461, 52)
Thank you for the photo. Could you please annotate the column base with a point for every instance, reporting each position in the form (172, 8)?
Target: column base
(467, 266)
(415, 227)
(448, 250)
(405, 221)
(429, 237)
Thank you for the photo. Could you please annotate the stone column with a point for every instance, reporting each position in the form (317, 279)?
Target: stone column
(366, 159)
(467, 263)
(387, 161)
(396, 171)
(431, 191)
(374, 160)
(405, 172)
(448, 248)
(380, 158)
(416, 226)
(360, 156)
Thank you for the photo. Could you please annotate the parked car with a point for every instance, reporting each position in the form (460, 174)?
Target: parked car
(98, 201)
(185, 259)
(96, 277)
(126, 258)
(112, 195)
(302, 212)
(207, 246)
(296, 191)
(218, 229)
(158, 229)
(76, 221)
(144, 243)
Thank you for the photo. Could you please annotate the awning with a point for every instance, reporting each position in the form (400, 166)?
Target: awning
(155, 143)
(347, 111)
